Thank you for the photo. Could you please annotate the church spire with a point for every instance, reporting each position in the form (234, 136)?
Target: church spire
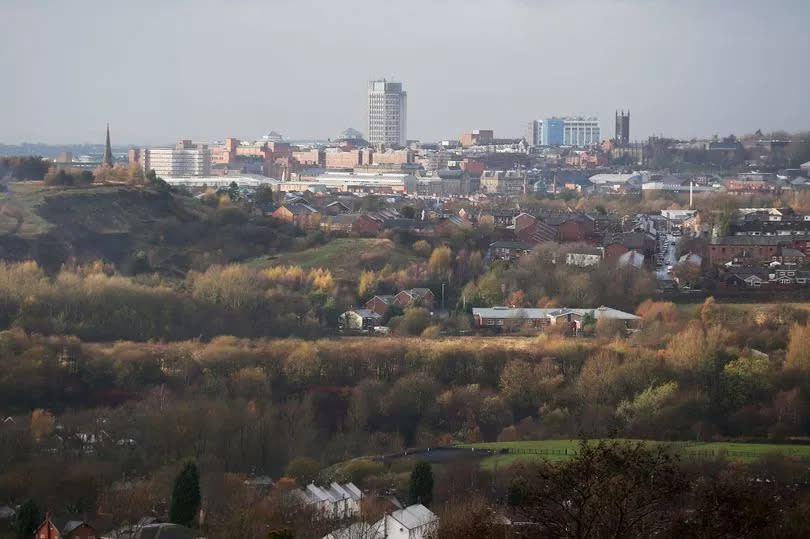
(108, 157)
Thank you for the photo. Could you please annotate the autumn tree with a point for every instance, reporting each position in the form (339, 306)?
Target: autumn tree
(608, 489)
(440, 259)
(42, 424)
(798, 352)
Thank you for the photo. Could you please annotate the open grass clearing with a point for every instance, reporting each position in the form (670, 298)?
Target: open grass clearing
(554, 450)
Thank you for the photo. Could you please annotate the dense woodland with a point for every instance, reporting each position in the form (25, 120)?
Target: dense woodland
(256, 406)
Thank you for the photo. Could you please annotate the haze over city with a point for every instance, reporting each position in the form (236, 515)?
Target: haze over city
(160, 71)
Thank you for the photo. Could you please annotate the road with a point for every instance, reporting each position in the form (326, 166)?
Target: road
(669, 256)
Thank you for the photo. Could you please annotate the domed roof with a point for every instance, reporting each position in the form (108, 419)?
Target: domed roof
(273, 136)
(350, 134)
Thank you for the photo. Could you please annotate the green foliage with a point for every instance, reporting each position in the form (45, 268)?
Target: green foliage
(28, 518)
(747, 379)
(185, 500)
(68, 177)
(24, 167)
(357, 470)
(415, 321)
(647, 405)
(303, 469)
(421, 485)
(422, 248)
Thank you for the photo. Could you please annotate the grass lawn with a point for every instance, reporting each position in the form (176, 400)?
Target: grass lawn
(554, 450)
(345, 257)
(744, 307)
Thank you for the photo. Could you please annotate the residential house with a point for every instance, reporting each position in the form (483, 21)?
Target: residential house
(631, 259)
(358, 320)
(412, 522)
(571, 226)
(64, 529)
(422, 297)
(641, 242)
(691, 258)
(336, 208)
(366, 225)
(339, 223)
(745, 279)
(539, 232)
(381, 304)
(791, 276)
(150, 528)
(508, 250)
(523, 220)
(585, 257)
(762, 249)
(603, 223)
(788, 255)
(301, 215)
(503, 219)
(335, 501)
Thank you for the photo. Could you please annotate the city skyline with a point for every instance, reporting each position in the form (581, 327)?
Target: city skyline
(666, 64)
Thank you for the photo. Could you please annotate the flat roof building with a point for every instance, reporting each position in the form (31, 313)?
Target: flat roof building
(184, 160)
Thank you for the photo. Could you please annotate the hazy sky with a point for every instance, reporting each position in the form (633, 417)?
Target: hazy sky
(163, 70)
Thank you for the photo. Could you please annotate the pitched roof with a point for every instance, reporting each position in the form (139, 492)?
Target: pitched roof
(417, 292)
(414, 516)
(536, 313)
(299, 208)
(510, 245)
(165, 530)
(365, 313)
(758, 240)
(387, 299)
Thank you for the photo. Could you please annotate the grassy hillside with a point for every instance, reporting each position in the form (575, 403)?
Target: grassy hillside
(562, 449)
(118, 224)
(346, 257)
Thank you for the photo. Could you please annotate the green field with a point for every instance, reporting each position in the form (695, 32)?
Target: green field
(740, 308)
(554, 450)
(345, 257)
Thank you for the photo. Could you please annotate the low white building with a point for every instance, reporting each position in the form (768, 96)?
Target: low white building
(334, 501)
(412, 522)
(585, 258)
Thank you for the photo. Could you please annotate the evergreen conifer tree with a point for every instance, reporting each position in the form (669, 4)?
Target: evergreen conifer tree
(185, 496)
(421, 488)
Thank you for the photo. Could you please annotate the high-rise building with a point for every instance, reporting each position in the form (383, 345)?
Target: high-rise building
(534, 133)
(386, 113)
(623, 128)
(578, 132)
(185, 159)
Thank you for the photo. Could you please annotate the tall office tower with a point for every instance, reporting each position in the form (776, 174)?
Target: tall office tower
(623, 128)
(386, 113)
(534, 133)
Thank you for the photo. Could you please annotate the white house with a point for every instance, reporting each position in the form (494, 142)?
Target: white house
(413, 522)
(359, 319)
(584, 258)
(334, 501)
